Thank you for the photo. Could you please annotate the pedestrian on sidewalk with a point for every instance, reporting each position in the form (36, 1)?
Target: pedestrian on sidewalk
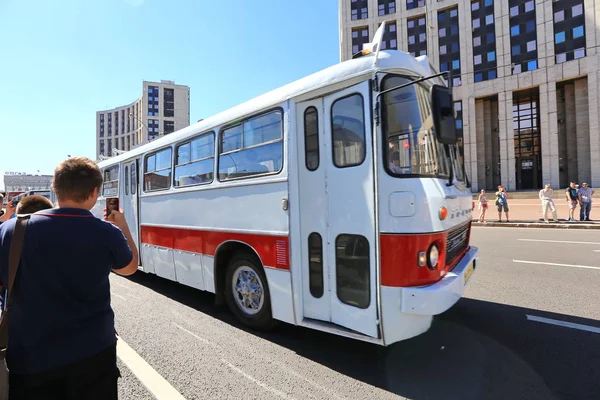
(548, 203)
(585, 202)
(61, 335)
(483, 206)
(502, 202)
(572, 200)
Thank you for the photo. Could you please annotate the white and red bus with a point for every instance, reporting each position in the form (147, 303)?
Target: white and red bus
(337, 202)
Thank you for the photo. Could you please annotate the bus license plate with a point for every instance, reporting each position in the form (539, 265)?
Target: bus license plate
(468, 272)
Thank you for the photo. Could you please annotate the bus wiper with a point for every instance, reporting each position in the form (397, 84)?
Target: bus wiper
(425, 78)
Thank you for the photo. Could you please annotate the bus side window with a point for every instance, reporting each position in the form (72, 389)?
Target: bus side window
(157, 170)
(126, 180)
(110, 187)
(133, 179)
(194, 161)
(311, 138)
(254, 147)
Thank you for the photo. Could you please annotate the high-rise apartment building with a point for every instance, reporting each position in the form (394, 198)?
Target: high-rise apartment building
(525, 77)
(161, 109)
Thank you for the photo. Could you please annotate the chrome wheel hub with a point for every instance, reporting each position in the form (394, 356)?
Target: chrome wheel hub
(247, 290)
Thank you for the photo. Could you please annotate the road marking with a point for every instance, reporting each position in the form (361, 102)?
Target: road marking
(117, 295)
(565, 324)
(254, 380)
(280, 365)
(156, 384)
(557, 241)
(554, 264)
(206, 341)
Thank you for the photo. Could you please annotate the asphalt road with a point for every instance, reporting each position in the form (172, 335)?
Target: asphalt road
(483, 348)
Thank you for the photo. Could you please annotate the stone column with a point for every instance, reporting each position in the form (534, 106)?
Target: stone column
(593, 88)
(583, 130)
(571, 129)
(549, 140)
(507, 142)
(480, 143)
(470, 137)
(487, 143)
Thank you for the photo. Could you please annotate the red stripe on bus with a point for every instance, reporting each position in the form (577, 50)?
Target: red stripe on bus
(399, 259)
(272, 250)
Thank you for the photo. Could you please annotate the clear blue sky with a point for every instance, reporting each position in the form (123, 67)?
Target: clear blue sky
(61, 61)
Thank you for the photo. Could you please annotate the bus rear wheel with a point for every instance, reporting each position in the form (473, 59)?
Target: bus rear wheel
(247, 293)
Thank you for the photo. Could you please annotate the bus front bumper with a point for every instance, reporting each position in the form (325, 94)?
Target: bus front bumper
(440, 296)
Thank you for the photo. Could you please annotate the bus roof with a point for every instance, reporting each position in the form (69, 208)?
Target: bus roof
(387, 60)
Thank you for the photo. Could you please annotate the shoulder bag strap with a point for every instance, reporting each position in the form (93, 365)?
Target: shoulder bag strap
(16, 245)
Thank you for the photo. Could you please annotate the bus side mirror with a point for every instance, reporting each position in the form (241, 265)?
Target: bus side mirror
(442, 112)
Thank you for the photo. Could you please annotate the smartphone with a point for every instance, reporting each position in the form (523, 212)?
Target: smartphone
(112, 203)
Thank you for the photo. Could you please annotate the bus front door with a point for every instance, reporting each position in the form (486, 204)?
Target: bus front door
(337, 215)
(130, 201)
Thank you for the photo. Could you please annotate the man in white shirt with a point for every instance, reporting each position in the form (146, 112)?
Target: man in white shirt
(547, 203)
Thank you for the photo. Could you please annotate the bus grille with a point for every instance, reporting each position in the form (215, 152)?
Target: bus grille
(456, 242)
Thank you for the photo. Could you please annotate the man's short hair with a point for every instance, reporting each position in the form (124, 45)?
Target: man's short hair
(32, 204)
(76, 178)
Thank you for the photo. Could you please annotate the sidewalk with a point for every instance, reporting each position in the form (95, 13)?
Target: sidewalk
(527, 213)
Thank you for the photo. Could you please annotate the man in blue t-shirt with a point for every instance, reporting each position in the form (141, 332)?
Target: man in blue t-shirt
(62, 339)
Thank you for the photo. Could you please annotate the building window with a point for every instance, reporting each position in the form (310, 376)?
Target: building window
(168, 127)
(484, 51)
(157, 170)
(128, 143)
(101, 125)
(117, 123)
(122, 121)
(390, 37)
(152, 129)
(194, 161)
(109, 150)
(410, 4)
(169, 102)
(523, 32)
(102, 147)
(386, 7)
(358, 9)
(348, 131)
(448, 23)
(253, 147)
(360, 36)
(153, 101)
(417, 30)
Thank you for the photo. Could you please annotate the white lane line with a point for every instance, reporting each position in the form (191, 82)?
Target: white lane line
(565, 324)
(118, 295)
(284, 367)
(206, 341)
(156, 384)
(557, 241)
(254, 380)
(555, 264)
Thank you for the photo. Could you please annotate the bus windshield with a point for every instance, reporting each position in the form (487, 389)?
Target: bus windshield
(411, 146)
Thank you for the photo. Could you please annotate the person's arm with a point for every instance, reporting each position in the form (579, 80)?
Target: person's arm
(567, 194)
(118, 219)
(10, 211)
(540, 194)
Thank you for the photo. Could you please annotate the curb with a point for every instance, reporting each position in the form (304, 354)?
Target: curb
(532, 224)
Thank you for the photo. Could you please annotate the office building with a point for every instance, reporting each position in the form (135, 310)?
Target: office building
(22, 182)
(525, 77)
(163, 107)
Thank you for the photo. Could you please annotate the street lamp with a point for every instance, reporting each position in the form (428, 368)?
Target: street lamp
(159, 134)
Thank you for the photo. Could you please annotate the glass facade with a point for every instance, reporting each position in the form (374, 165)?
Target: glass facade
(386, 7)
(153, 101)
(569, 30)
(416, 29)
(359, 9)
(484, 40)
(169, 103)
(360, 36)
(390, 37)
(449, 43)
(523, 36)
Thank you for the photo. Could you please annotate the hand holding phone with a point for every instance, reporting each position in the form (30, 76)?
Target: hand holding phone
(112, 204)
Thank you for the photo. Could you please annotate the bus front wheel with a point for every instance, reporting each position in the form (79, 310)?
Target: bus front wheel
(247, 292)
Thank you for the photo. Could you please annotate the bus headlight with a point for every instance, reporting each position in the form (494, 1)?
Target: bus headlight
(433, 256)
